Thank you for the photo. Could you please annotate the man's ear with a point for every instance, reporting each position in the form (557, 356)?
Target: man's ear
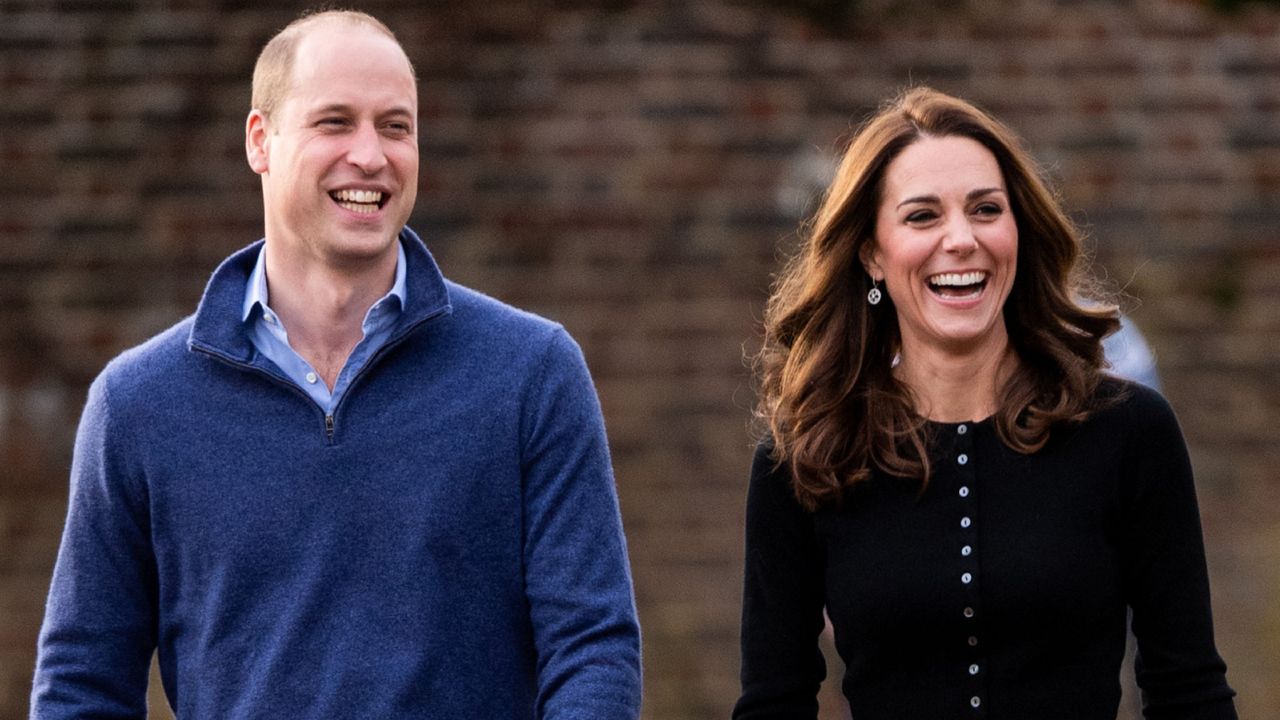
(869, 255)
(257, 139)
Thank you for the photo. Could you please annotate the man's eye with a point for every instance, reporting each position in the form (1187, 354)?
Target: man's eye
(333, 122)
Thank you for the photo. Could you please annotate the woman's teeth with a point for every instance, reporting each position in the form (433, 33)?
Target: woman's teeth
(958, 285)
(965, 278)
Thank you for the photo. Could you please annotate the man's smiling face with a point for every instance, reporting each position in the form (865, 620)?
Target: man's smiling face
(339, 155)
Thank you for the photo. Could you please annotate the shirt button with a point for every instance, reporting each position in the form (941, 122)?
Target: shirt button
(966, 578)
(963, 459)
(965, 522)
(968, 612)
(271, 319)
(964, 491)
(973, 669)
(966, 551)
(311, 378)
(975, 701)
(962, 429)
(973, 641)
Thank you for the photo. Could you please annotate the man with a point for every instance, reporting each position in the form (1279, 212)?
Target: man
(346, 487)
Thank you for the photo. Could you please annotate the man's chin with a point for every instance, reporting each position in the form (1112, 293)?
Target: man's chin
(361, 248)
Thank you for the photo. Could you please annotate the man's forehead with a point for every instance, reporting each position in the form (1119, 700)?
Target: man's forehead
(336, 40)
(335, 67)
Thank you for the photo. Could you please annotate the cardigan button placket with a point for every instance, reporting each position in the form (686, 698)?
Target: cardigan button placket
(967, 497)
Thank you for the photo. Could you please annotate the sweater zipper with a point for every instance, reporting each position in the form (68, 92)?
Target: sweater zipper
(277, 379)
(394, 340)
(330, 424)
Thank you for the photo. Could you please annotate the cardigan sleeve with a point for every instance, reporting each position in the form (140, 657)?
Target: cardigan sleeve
(782, 600)
(577, 578)
(99, 628)
(1178, 667)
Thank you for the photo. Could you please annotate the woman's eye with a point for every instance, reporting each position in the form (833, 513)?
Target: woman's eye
(988, 210)
(920, 216)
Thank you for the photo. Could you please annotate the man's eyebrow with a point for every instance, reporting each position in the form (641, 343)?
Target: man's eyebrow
(344, 109)
(331, 108)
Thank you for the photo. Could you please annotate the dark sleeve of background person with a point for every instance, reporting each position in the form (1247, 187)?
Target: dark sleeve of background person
(782, 667)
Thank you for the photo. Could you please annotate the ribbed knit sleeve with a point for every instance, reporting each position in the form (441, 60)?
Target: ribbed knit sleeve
(100, 622)
(782, 601)
(1167, 585)
(577, 578)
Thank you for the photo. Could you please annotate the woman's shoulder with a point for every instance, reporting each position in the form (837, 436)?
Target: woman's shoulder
(1124, 405)
(765, 464)
(771, 473)
(765, 446)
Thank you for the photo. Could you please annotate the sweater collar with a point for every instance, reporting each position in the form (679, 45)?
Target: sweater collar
(218, 326)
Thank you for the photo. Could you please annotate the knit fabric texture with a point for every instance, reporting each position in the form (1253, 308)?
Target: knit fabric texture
(445, 544)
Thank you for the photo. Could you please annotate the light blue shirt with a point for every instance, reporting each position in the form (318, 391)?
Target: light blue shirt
(271, 339)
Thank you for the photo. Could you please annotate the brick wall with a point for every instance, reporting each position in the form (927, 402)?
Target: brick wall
(630, 168)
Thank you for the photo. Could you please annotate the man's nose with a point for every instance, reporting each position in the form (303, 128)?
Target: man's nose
(365, 151)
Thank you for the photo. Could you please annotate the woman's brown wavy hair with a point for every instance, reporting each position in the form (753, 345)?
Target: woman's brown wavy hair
(828, 393)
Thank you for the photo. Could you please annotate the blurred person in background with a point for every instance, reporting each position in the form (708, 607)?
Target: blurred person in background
(1129, 356)
(346, 487)
(948, 469)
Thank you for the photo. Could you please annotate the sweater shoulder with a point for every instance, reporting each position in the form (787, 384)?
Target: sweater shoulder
(150, 367)
(1129, 406)
(496, 321)
(1132, 419)
(472, 302)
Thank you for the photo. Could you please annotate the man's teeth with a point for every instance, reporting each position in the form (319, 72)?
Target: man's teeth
(362, 208)
(958, 279)
(360, 196)
(361, 201)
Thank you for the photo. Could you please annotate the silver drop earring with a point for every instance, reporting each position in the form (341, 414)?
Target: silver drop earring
(874, 295)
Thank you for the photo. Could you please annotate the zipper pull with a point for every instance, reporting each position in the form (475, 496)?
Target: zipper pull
(328, 426)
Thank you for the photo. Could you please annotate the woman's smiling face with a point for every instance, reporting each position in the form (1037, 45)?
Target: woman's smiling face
(946, 245)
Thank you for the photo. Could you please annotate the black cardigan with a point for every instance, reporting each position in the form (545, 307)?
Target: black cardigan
(1001, 592)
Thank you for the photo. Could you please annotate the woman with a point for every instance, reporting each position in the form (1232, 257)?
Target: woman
(948, 471)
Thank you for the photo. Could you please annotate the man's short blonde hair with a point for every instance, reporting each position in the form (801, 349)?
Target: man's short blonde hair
(274, 70)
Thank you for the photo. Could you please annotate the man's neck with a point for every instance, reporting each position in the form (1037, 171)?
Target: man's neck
(323, 307)
(957, 384)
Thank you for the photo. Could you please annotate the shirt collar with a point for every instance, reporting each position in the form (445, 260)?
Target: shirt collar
(256, 289)
(215, 328)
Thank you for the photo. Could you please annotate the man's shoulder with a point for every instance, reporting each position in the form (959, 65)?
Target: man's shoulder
(483, 332)
(153, 365)
(479, 312)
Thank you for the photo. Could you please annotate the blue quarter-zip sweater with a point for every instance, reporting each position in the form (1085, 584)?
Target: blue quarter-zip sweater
(445, 544)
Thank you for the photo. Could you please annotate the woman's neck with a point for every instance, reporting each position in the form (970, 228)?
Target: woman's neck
(957, 385)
